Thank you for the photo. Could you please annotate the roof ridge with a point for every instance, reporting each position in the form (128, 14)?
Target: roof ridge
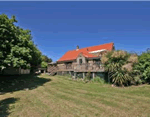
(92, 46)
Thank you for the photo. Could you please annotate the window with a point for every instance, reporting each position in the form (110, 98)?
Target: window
(80, 61)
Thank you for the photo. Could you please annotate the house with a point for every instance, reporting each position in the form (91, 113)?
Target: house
(80, 61)
(39, 69)
(42, 70)
(52, 68)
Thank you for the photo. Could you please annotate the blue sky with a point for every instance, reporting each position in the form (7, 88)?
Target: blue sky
(60, 26)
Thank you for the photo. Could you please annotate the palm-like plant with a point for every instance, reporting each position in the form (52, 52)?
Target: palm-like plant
(121, 78)
(118, 64)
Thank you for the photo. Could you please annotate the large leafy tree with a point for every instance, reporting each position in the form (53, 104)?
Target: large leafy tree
(16, 46)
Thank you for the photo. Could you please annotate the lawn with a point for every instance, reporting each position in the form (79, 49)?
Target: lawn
(57, 96)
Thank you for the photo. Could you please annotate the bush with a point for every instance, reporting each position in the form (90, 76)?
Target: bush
(68, 75)
(143, 67)
(121, 78)
(79, 75)
(137, 80)
(98, 79)
(146, 74)
(119, 65)
(88, 76)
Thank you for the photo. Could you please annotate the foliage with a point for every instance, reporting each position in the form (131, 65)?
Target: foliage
(79, 75)
(133, 58)
(46, 59)
(137, 80)
(36, 57)
(121, 78)
(98, 79)
(67, 75)
(16, 45)
(143, 67)
(119, 66)
(146, 73)
(88, 76)
(44, 64)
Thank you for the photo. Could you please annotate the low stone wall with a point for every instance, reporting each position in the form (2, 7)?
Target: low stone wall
(15, 71)
(24, 71)
(11, 71)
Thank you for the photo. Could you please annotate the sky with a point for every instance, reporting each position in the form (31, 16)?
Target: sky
(57, 27)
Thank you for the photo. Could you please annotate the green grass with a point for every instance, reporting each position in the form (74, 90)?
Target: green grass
(57, 96)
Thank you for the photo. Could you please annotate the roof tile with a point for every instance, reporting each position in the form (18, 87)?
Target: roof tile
(73, 54)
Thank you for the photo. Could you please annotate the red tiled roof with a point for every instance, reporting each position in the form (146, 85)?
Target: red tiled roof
(87, 55)
(73, 54)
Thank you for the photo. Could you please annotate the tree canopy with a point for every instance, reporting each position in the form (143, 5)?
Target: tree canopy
(45, 61)
(17, 48)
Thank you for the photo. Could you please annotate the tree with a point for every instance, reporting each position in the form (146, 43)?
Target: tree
(45, 61)
(44, 64)
(16, 46)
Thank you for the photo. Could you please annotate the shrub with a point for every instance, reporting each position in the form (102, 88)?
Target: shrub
(127, 67)
(137, 80)
(121, 78)
(67, 75)
(88, 76)
(119, 65)
(146, 74)
(119, 54)
(104, 59)
(79, 75)
(133, 58)
(143, 67)
(98, 79)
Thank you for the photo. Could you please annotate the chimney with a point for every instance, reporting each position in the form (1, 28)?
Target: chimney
(77, 48)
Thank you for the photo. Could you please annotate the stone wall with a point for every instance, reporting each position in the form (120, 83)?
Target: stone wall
(51, 67)
(11, 71)
(90, 61)
(24, 71)
(61, 66)
(15, 71)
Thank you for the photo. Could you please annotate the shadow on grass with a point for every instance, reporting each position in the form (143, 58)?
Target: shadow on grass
(20, 82)
(4, 106)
